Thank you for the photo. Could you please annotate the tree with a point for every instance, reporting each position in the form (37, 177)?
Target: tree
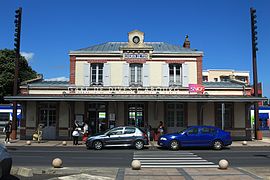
(7, 71)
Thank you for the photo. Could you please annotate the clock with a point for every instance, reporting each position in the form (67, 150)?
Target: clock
(136, 39)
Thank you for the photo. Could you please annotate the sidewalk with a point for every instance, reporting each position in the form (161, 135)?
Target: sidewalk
(264, 142)
(82, 173)
(98, 173)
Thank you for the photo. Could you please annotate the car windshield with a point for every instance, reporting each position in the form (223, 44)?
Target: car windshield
(143, 131)
(181, 131)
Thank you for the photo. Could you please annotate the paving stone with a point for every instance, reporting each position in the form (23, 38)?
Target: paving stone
(213, 171)
(84, 177)
(25, 172)
(227, 177)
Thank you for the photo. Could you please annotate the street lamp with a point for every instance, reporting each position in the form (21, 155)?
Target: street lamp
(254, 63)
(18, 19)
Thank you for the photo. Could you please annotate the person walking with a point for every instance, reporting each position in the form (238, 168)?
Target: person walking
(7, 130)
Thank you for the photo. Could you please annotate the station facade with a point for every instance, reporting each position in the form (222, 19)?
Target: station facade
(134, 83)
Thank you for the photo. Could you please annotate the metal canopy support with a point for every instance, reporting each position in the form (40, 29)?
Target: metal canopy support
(159, 98)
(222, 115)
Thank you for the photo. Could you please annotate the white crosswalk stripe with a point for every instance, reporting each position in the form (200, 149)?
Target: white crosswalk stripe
(170, 159)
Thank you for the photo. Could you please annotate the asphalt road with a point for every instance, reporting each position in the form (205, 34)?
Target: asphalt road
(239, 156)
(115, 157)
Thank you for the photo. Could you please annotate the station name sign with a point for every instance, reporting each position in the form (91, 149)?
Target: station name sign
(126, 90)
(135, 56)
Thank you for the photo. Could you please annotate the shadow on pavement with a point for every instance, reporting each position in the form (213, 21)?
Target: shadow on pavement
(10, 177)
(195, 148)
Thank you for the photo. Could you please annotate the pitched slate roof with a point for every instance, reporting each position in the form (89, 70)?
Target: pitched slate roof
(114, 47)
(45, 83)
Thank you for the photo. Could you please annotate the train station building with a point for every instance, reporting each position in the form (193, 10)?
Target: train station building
(134, 83)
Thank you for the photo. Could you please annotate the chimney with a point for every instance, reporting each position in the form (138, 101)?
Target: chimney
(186, 43)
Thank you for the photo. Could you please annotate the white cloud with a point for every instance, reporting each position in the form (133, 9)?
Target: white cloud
(28, 56)
(58, 79)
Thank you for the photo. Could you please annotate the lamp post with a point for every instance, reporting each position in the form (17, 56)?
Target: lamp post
(254, 63)
(18, 18)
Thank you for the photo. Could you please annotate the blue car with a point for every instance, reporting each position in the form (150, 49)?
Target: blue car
(196, 136)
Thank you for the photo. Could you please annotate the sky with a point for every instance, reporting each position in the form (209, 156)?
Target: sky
(219, 28)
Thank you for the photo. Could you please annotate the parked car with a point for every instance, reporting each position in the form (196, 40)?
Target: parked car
(119, 136)
(200, 136)
(5, 162)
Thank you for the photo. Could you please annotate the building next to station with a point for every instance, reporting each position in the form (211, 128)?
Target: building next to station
(134, 83)
(216, 75)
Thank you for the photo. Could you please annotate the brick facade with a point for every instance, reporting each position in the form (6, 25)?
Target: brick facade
(72, 69)
(199, 70)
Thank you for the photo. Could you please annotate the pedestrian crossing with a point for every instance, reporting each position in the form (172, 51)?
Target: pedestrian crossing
(170, 159)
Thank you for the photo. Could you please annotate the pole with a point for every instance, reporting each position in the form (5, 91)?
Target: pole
(16, 74)
(222, 116)
(255, 77)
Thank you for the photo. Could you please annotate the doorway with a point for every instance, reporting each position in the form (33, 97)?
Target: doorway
(136, 115)
(174, 117)
(47, 118)
(97, 114)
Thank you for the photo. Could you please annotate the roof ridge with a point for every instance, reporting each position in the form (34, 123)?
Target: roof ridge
(159, 47)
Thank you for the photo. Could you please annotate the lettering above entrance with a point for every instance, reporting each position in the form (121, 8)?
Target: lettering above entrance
(135, 56)
(125, 90)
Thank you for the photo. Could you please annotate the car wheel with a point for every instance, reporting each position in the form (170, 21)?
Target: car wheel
(174, 145)
(139, 144)
(97, 145)
(217, 145)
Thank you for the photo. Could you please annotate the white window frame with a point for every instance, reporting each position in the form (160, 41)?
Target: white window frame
(175, 82)
(136, 81)
(96, 81)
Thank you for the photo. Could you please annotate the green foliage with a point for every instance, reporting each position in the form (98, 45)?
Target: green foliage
(7, 71)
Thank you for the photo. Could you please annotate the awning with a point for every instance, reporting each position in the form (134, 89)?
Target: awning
(139, 97)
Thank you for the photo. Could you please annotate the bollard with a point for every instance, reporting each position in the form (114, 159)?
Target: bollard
(244, 143)
(223, 164)
(28, 142)
(57, 163)
(64, 143)
(136, 165)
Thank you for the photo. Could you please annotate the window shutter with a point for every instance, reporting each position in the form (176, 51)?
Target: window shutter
(145, 74)
(125, 74)
(185, 75)
(165, 74)
(106, 74)
(86, 74)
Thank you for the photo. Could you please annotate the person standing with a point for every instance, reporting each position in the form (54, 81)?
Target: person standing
(85, 132)
(161, 128)
(75, 135)
(148, 129)
(7, 130)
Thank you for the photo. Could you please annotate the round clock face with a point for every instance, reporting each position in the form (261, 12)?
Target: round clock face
(136, 39)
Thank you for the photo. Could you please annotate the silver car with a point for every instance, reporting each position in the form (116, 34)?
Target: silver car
(119, 136)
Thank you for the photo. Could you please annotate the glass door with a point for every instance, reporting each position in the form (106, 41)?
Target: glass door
(47, 117)
(97, 117)
(136, 114)
(175, 117)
